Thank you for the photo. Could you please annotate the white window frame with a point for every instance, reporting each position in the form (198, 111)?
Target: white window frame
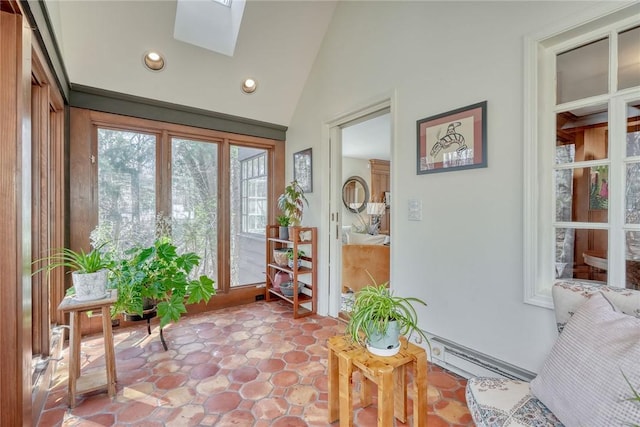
(539, 126)
(245, 181)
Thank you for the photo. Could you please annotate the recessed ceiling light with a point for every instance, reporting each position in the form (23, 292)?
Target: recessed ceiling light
(153, 61)
(249, 86)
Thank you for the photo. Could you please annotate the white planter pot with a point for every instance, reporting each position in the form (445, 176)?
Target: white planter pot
(290, 263)
(90, 286)
(387, 344)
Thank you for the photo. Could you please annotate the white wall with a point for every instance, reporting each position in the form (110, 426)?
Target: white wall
(355, 167)
(465, 257)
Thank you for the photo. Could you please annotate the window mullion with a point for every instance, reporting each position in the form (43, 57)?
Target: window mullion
(163, 174)
(617, 147)
(583, 102)
(613, 61)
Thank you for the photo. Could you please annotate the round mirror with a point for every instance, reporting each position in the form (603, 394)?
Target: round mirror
(355, 194)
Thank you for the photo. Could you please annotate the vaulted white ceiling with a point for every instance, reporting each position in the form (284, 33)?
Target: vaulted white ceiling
(102, 44)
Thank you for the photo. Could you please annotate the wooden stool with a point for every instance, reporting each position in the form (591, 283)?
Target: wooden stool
(389, 373)
(98, 380)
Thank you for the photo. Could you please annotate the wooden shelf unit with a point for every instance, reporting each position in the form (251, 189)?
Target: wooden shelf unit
(305, 288)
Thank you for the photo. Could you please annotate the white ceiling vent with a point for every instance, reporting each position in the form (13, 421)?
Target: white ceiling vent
(209, 24)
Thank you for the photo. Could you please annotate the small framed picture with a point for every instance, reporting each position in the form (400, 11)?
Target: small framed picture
(303, 170)
(453, 140)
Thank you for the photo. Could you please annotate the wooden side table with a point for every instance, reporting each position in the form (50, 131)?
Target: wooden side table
(389, 373)
(98, 380)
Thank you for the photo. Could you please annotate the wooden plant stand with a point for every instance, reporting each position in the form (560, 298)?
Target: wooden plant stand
(98, 380)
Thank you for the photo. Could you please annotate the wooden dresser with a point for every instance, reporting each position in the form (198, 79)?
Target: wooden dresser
(380, 183)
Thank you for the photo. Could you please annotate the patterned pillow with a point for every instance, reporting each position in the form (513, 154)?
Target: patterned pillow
(582, 380)
(568, 295)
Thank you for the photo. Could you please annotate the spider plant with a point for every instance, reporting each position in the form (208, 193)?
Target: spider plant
(90, 270)
(376, 307)
(81, 262)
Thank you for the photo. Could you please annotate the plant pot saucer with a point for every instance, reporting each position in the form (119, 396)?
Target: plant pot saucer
(384, 352)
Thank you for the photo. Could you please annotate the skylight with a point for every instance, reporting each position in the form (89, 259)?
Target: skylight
(212, 25)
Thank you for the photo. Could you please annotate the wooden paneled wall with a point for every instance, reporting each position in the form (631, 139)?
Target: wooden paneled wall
(15, 227)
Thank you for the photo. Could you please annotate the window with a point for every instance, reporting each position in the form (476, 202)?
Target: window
(248, 214)
(126, 187)
(194, 201)
(582, 158)
(209, 190)
(253, 189)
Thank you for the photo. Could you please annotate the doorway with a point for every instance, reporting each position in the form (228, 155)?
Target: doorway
(361, 143)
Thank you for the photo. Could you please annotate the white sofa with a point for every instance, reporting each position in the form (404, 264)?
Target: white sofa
(504, 402)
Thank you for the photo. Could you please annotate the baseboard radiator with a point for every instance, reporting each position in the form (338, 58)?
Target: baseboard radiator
(470, 363)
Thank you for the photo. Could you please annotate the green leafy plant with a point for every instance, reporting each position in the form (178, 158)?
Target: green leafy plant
(80, 261)
(375, 307)
(292, 201)
(283, 221)
(636, 395)
(301, 253)
(290, 257)
(158, 273)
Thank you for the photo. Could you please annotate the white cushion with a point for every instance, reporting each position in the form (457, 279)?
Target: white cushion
(500, 402)
(582, 380)
(568, 295)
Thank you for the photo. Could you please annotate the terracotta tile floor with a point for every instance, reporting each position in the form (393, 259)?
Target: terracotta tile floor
(251, 365)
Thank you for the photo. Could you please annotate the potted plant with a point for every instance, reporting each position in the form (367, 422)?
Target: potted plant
(379, 318)
(159, 275)
(283, 231)
(89, 271)
(290, 257)
(291, 203)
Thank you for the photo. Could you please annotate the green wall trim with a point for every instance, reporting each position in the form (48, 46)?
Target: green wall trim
(129, 105)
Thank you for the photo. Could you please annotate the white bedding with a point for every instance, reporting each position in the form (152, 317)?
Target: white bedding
(366, 239)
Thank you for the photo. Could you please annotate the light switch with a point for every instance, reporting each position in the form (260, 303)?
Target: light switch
(415, 210)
